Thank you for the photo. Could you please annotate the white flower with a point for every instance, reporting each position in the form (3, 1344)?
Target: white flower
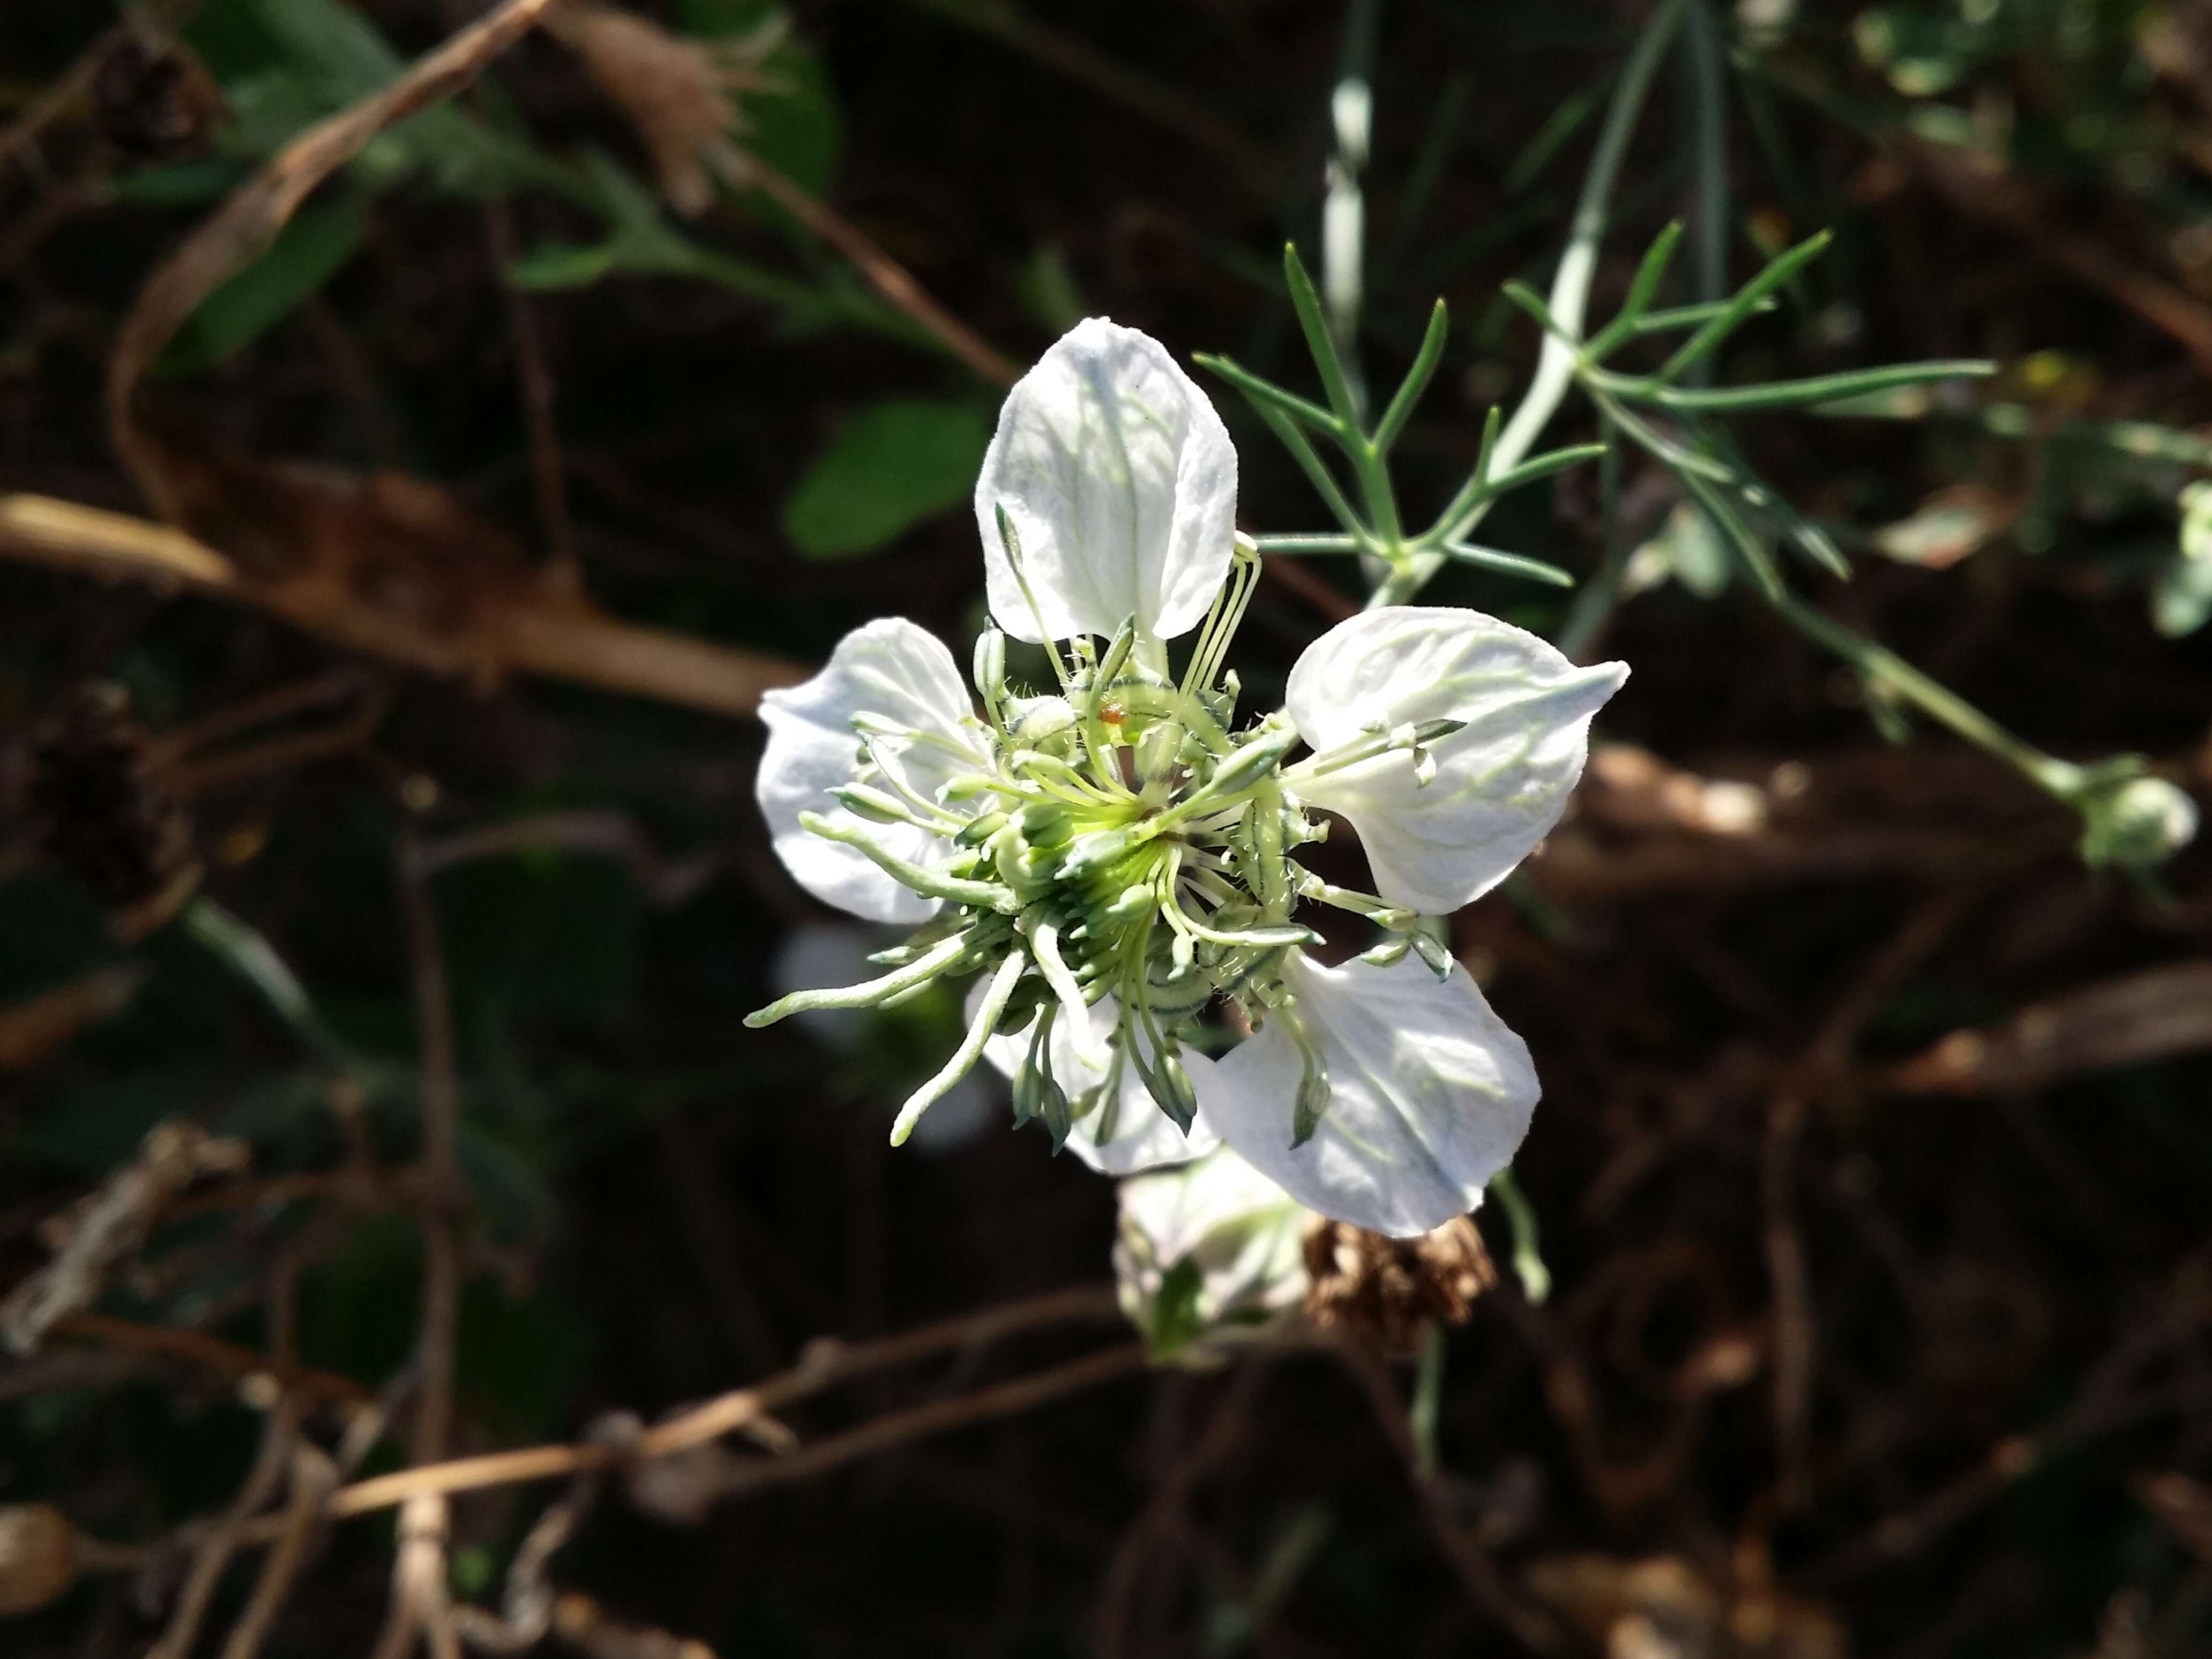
(1208, 1252)
(1120, 480)
(1114, 852)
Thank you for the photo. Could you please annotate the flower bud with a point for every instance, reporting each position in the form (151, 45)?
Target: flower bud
(873, 804)
(1253, 761)
(1208, 1253)
(990, 668)
(2138, 825)
(1093, 850)
(38, 1557)
(1169, 1086)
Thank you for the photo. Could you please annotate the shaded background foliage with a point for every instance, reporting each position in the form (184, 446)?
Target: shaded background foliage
(1864, 1339)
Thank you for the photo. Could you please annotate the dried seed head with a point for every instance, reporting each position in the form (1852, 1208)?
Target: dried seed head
(679, 92)
(1392, 1291)
(38, 1557)
(92, 807)
(153, 99)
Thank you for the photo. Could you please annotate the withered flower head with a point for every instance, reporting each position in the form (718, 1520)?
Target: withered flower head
(1392, 1291)
(680, 94)
(94, 806)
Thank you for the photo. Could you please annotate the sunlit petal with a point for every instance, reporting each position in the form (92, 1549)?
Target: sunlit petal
(900, 674)
(1429, 1095)
(1120, 478)
(1500, 783)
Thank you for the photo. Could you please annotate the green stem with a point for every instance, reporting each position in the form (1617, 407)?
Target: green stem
(1596, 603)
(1520, 1219)
(1428, 1401)
(1569, 299)
(1940, 703)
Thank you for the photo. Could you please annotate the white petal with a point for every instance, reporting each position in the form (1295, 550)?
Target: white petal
(903, 673)
(1145, 1137)
(1121, 481)
(1176, 1211)
(1429, 1095)
(1500, 783)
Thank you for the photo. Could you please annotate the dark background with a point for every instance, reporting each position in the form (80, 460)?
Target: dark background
(2003, 1294)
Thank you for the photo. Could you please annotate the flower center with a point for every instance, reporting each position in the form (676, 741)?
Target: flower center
(1111, 837)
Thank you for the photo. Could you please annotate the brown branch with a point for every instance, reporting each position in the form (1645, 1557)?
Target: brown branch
(534, 378)
(2105, 1404)
(1003, 1400)
(825, 1364)
(65, 95)
(1795, 1336)
(1469, 1562)
(2152, 1015)
(885, 275)
(1125, 1576)
(229, 1534)
(241, 230)
(1079, 60)
(209, 1353)
(441, 1193)
(314, 1475)
(531, 635)
(1983, 195)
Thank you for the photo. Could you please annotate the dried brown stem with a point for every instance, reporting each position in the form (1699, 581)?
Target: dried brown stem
(59, 99)
(207, 1352)
(825, 1364)
(229, 1534)
(568, 640)
(885, 275)
(534, 378)
(1002, 1399)
(1975, 192)
(1125, 1576)
(441, 1193)
(242, 229)
(1079, 60)
(2152, 1015)
(314, 1475)
(1795, 1338)
(1468, 1560)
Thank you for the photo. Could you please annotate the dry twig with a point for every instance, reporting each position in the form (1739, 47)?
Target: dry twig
(109, 1225)
(532, 634)
(2139, 1018)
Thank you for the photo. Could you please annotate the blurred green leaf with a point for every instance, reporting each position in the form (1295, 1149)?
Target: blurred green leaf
(357, 1307)
(2181, 597)
(518, 1359)
(546, 934)
(1049, 289)
(339, 46)
(892, 466)
(562, 265)
(307, 253)
(182, 185)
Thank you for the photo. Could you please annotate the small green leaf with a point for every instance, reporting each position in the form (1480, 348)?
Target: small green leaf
(1049, 289)
(894, 465)
(307, 253)
(562, 265)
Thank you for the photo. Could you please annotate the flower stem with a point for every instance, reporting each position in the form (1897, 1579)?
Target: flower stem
(1939, 702)
(1570, 297)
